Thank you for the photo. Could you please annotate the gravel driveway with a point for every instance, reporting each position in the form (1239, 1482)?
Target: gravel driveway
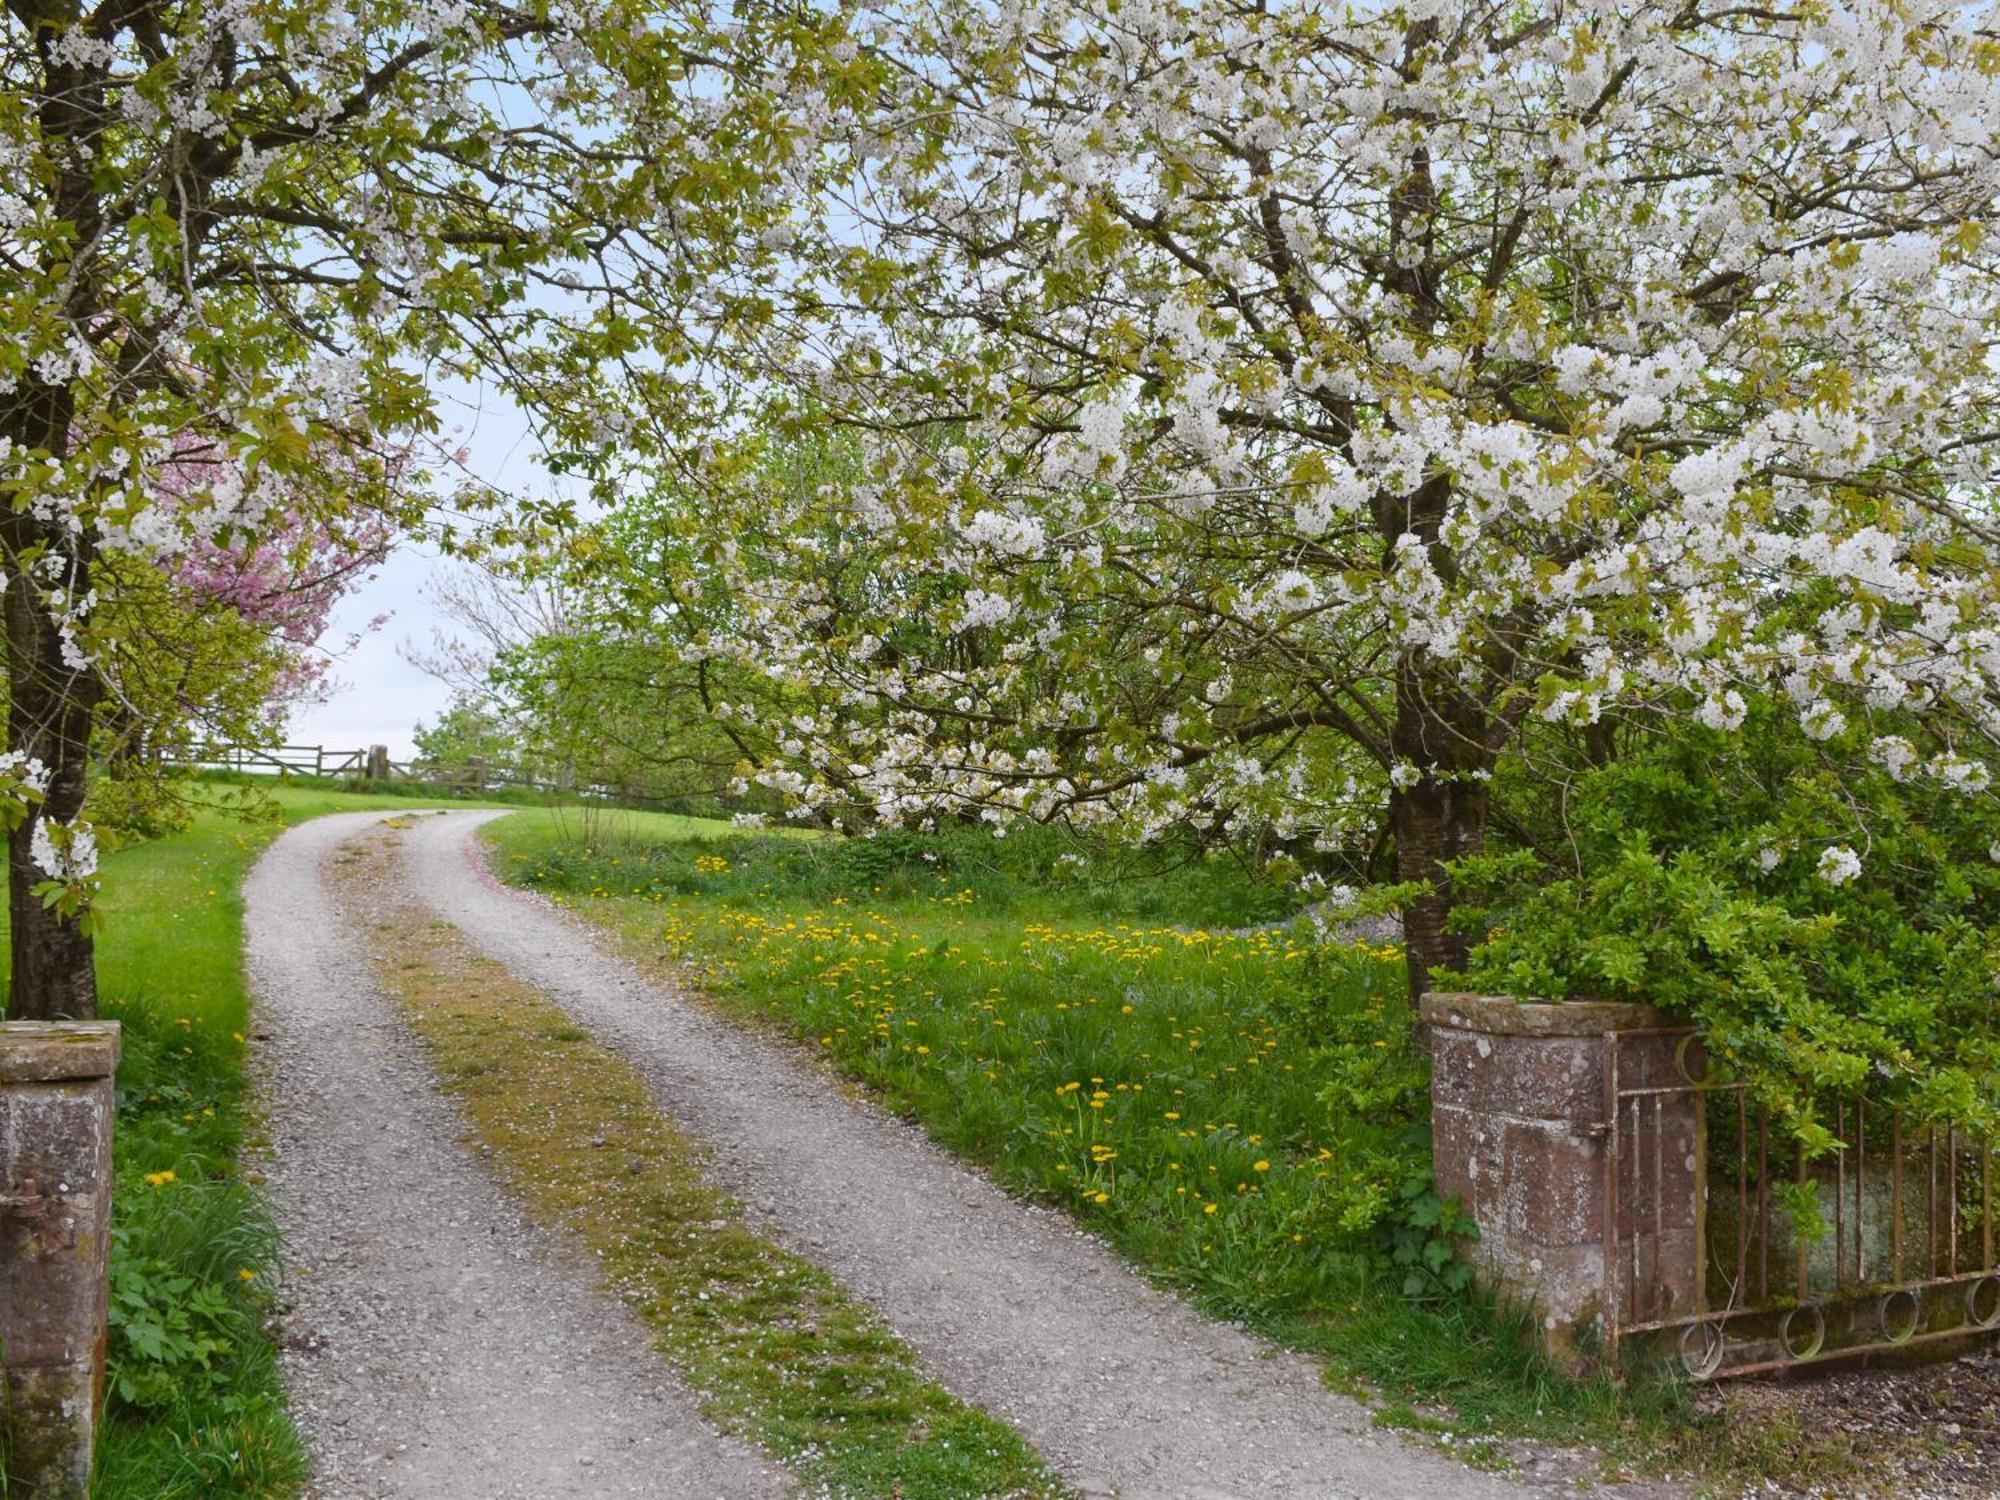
(1124, 1389)
(435, 1346)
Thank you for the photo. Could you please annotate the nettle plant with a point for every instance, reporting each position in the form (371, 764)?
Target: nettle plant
(1298, 413)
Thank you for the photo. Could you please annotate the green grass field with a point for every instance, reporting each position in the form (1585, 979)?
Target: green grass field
(1238, 1111)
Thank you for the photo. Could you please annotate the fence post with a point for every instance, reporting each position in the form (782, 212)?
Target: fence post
(1524, 1131)
(56, 1101)
(378, 762)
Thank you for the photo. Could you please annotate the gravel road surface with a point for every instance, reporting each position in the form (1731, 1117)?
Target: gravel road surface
(1125, 1390)
(436, 1346)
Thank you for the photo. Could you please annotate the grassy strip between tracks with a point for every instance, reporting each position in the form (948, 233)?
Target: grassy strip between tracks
(775, 1350)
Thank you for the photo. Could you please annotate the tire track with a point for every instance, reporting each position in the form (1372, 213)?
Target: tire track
(436, 1347)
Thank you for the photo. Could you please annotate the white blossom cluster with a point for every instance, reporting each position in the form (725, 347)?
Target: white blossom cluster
(1335, 393)
(66, 852)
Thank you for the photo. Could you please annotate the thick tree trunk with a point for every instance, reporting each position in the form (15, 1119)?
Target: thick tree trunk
(49, 704)
(1434, 822)
(50, 700)
(53, 972)
(1440, 818)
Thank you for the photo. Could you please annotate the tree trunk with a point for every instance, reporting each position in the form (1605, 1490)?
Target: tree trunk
(1441, 817)
(50, 700)
(53, 973)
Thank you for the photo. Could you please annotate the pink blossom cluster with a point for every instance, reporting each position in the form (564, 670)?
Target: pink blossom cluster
(278, 563)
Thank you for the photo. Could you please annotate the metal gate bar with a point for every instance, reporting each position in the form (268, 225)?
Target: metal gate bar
(1726, 1328)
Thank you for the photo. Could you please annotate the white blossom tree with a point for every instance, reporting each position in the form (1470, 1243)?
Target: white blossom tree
(1290, 410)
(267, 227)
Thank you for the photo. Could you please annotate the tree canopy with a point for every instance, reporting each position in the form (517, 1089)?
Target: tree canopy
(1298, 412)
(274, 228)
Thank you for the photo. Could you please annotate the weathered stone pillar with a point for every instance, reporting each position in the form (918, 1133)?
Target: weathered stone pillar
(55, 1227)
(378, 762)
(1520, 1100)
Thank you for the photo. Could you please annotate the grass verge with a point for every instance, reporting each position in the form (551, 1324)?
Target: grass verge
(1238, 1111)
(775, 1350)
(194, 1409)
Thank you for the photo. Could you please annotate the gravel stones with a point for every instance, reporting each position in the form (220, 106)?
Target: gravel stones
(435, 1346)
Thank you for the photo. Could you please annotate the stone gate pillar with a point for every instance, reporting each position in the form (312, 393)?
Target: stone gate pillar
(1520, 1131)
(55, 1224)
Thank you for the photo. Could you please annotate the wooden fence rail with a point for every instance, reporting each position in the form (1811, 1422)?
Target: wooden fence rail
(373, 764)
(302, 760)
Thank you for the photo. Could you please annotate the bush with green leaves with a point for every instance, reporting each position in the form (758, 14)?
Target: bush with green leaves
(1424, 1237)
(185, 1259)
(1825, 908)
(132, 808)
(1181, 881)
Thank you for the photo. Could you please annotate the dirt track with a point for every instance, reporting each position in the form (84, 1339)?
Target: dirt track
(436, 1347)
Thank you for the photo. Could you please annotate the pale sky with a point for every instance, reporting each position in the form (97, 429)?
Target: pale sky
(379, 697)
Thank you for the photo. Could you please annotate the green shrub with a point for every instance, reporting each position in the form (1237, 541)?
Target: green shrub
(175, 1324)
(1024, 871)
(1832, 928)
(129, 810)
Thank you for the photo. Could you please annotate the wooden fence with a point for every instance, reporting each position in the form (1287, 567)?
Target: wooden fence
(299, 760)
(472, 778)
(371, 764)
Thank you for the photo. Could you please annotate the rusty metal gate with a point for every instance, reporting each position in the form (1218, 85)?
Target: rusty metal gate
(1709, 1235)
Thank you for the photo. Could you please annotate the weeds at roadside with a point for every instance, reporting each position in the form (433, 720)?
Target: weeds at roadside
(194, 1407)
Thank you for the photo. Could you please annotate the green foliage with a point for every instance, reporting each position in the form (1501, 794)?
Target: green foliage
(71, 900)
(1800, 1204)
(1424, 1235)
(130, 809)
(465, 732)
(1700, 884)
(1022, 871)
(170, 1332)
